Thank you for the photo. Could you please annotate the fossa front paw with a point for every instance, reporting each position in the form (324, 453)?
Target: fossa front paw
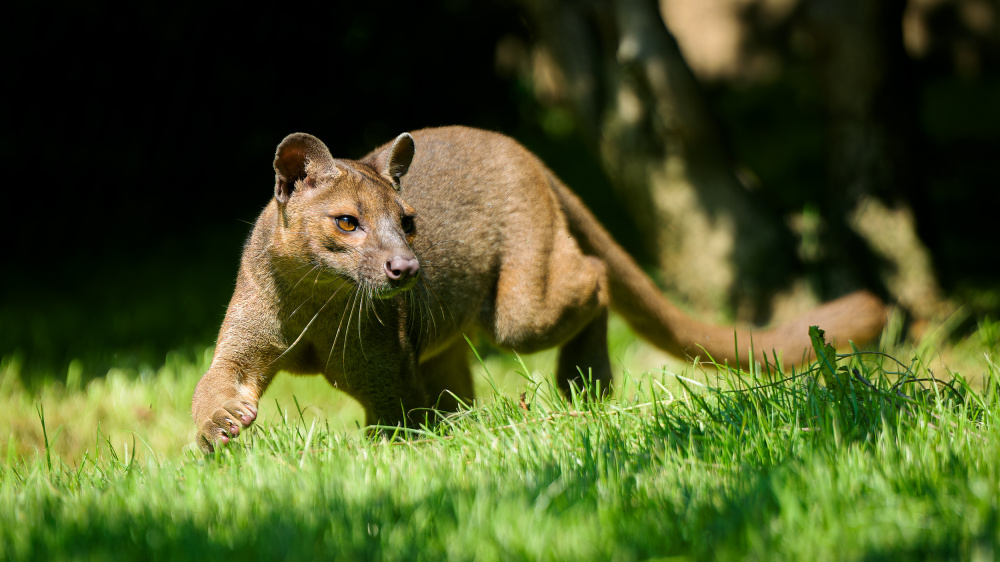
(225, 424)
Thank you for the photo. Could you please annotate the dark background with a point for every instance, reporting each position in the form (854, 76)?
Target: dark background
(137, 142)
(140, 125)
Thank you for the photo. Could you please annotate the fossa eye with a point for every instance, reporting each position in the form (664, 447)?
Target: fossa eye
(409, 228)
(347, 223)
(409, 225)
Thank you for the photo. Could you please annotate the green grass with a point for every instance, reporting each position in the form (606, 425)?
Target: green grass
(702, 464)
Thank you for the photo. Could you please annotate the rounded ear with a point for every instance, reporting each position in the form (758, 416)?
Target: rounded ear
(298, 157)
(394, 161)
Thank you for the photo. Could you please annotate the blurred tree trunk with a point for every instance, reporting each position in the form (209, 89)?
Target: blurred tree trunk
(874, 154)
(718, 246)
(638, 103)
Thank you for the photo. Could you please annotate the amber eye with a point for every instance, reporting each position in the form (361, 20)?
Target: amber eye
(347, 223)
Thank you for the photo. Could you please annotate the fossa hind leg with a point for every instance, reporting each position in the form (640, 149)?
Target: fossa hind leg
(584, 362)
(538, 308)
(564, 302)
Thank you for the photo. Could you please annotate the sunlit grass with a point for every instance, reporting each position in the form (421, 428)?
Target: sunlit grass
(902, 463)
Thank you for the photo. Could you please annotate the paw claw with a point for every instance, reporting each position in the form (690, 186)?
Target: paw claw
(225, 424)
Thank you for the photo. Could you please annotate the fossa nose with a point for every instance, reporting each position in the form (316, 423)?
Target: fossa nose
(402, 268)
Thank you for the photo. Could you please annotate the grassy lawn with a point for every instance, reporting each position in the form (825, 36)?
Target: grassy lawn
(900, 460)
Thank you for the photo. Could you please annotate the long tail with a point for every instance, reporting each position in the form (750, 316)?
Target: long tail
(857, 317)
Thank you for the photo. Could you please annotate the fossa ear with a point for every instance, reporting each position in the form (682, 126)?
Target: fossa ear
(298, 160)
(394, 161)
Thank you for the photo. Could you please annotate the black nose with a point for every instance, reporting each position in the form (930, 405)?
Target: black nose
(401, 268)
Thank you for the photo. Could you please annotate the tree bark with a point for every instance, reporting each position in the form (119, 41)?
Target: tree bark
(642, 109)
(874, 153)
(718, 246)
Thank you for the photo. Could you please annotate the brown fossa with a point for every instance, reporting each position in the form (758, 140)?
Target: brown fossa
(370, 272)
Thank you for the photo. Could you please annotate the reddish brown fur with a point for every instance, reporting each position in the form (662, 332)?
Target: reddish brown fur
(504, 249)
